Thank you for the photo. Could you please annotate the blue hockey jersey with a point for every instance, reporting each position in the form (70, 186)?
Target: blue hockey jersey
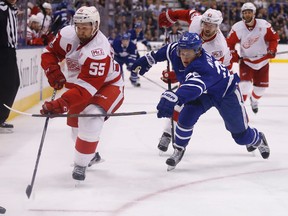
(137, 38)
(124, 55)
(204, 75)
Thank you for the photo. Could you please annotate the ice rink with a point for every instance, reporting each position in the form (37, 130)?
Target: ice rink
(216, 176)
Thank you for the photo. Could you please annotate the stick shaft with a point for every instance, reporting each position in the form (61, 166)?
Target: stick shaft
(30, 187)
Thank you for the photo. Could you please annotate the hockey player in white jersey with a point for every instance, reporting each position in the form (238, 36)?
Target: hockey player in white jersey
(214, 42)
(258, 43)
(94, 82)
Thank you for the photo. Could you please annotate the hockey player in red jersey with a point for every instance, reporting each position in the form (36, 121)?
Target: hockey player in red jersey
(258, 43)
(214, 42)
(94, 82)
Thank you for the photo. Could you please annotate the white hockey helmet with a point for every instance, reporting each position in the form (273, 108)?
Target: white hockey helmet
(248, 6)
(212, 16)
(87, 15)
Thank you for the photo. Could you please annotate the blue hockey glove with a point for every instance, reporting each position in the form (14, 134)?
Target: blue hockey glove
(143, 64)
(166, 105)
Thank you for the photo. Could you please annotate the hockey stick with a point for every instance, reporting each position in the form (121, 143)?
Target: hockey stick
(152, 81)
(30, 187)
(81, 115)
(170, 89)
(262, 55)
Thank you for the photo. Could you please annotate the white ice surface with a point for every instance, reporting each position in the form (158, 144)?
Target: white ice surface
(215, 177)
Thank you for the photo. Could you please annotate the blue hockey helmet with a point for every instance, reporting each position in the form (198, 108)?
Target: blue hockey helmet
(190, 41)
(125, 36)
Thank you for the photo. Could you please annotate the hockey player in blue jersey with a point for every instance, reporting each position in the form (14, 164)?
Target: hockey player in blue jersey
(205, 83)
(137, 35)
(126, 53)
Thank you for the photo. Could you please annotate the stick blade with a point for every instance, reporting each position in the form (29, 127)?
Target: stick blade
(28, 191)
(2, 210)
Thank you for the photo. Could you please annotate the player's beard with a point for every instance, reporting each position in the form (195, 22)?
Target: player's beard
(248, 20)
(208, 33)
(84, 38)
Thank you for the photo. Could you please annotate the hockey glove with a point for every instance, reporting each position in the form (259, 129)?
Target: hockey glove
(143, 64)
(235, 56)
(169, 76)
(166, 105)
(56, 78)
(166, 19)
(271, 54)
(54, 107)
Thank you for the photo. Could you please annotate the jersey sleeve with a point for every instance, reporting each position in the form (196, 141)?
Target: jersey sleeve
(272, 38)
(185, 15)
(232, 39)
(52, 55)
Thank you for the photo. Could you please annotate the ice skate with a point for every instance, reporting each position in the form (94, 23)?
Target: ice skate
(96, 159)
(254, 105)
(79, 173)
(135, 82)
(164, 142)
(6, 128)
(262, 146)
(175, 158)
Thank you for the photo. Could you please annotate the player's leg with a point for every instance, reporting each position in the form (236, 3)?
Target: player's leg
(260, 84)
(235, 118)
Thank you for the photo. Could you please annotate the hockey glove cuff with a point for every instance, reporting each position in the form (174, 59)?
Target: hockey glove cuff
(169, 76)
(166, 105)
(55, 107)
(56, 78)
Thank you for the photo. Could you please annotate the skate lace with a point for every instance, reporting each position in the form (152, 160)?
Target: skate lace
(177, 154)
(79, 170)
(263, 148)
(254, 104)
(164, 141)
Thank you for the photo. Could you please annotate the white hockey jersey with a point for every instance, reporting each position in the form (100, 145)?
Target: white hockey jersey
(215, 46)
(89, 65)
(254, 42)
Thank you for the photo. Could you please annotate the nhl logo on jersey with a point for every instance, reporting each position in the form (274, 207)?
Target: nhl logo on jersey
(97, 52)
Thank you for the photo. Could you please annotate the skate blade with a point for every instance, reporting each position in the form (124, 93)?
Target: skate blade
(170, 168)
(77, 183)
(6, 130)
(253, 154)
(161, 153)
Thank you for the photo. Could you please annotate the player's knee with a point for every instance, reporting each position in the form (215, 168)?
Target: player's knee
(248, 136)
(245, 87)
(91, 127)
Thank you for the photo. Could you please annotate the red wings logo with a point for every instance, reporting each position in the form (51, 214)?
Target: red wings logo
(247, 44)
(97, 52)
(72, 65)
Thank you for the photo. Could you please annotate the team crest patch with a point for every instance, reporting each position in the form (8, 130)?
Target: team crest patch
(72, 64)
(217, 54)
(97, 52)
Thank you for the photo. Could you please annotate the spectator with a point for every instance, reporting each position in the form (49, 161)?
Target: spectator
(46, 18)
(33, 30)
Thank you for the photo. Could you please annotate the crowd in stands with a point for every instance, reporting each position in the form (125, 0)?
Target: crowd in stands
(275, 12)
(123, 14)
